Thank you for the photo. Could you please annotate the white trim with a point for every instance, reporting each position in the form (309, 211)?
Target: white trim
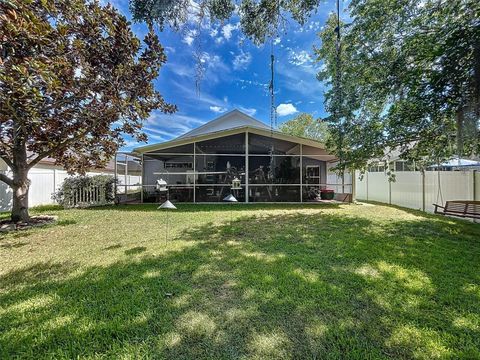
(234, 131)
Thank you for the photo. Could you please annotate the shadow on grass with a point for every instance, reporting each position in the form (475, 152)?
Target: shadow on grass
(13, 245)
(135, 250)
(278, 286)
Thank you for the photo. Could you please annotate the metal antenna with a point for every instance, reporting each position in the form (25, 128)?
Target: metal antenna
(273, 111)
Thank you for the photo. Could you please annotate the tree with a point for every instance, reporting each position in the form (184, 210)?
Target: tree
(258, 19)
(73, 79)
(410, 75)
(304, 125)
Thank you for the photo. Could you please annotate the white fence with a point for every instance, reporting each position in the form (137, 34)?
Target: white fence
(86, 196)
(417, 190)
(411, 189)
(44, 182)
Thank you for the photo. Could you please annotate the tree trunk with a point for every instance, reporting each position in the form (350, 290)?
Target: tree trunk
(20, 187)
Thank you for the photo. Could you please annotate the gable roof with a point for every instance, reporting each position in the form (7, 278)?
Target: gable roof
(242, 129)
(230, 120)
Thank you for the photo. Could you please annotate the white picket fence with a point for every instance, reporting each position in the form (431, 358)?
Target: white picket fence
(86, 196)
(417, 190)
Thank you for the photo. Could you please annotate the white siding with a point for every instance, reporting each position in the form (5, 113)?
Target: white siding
(334, 181)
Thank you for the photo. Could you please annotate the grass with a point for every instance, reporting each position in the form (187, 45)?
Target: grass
(320, 281)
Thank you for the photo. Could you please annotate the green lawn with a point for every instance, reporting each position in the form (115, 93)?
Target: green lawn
(334, 282)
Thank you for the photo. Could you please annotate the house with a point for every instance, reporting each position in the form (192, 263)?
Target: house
(232, 154)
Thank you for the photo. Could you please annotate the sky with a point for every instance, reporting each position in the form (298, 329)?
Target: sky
(237, 74)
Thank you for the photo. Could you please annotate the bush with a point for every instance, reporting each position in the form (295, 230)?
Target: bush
(73, 184)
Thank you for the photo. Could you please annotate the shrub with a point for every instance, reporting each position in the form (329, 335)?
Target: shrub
(65, 195)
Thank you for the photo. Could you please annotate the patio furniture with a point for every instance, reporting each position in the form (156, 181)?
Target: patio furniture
(327, 194)
(461, 208)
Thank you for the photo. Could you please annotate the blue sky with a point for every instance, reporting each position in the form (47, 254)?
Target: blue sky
(237, 74)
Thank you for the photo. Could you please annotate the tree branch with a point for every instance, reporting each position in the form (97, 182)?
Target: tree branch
(6, 180)
(47, 153)
(63, 144)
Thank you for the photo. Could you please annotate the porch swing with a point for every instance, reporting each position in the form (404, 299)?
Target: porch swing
(460, 208)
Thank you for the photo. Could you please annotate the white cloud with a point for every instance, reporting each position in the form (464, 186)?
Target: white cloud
(180, 69)
(170, 125)
(228, 29)
(242, 60)
(190, 37)
(170, 50)
(214, 32)
(218, 109)
(300, 79)
(286, 109)
(300, 58)
(248, 111)
(193, 100)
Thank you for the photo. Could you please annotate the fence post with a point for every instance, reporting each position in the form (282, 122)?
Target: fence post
(474, 175)
(354, 186)
(389, 191)
(366, 181)
(474, 188)
(423, 190)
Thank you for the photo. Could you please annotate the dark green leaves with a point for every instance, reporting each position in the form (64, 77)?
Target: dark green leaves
(410, 79)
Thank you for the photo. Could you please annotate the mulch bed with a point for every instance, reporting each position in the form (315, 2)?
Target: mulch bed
(35, 221)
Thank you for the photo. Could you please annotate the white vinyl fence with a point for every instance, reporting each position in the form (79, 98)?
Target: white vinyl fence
(86, 196)
(44, 182)
(417, 190)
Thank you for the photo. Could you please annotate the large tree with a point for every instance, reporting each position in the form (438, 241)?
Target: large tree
(305, 125)
(73, 80)
(259, 19)
(409, 79)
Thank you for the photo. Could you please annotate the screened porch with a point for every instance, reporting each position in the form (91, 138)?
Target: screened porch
(265, 168)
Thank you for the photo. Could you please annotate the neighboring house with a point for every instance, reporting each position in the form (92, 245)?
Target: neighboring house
(201, 166)
(46, 178)
(457, 164)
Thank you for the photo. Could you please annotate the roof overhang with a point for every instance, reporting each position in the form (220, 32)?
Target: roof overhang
(222, 133)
